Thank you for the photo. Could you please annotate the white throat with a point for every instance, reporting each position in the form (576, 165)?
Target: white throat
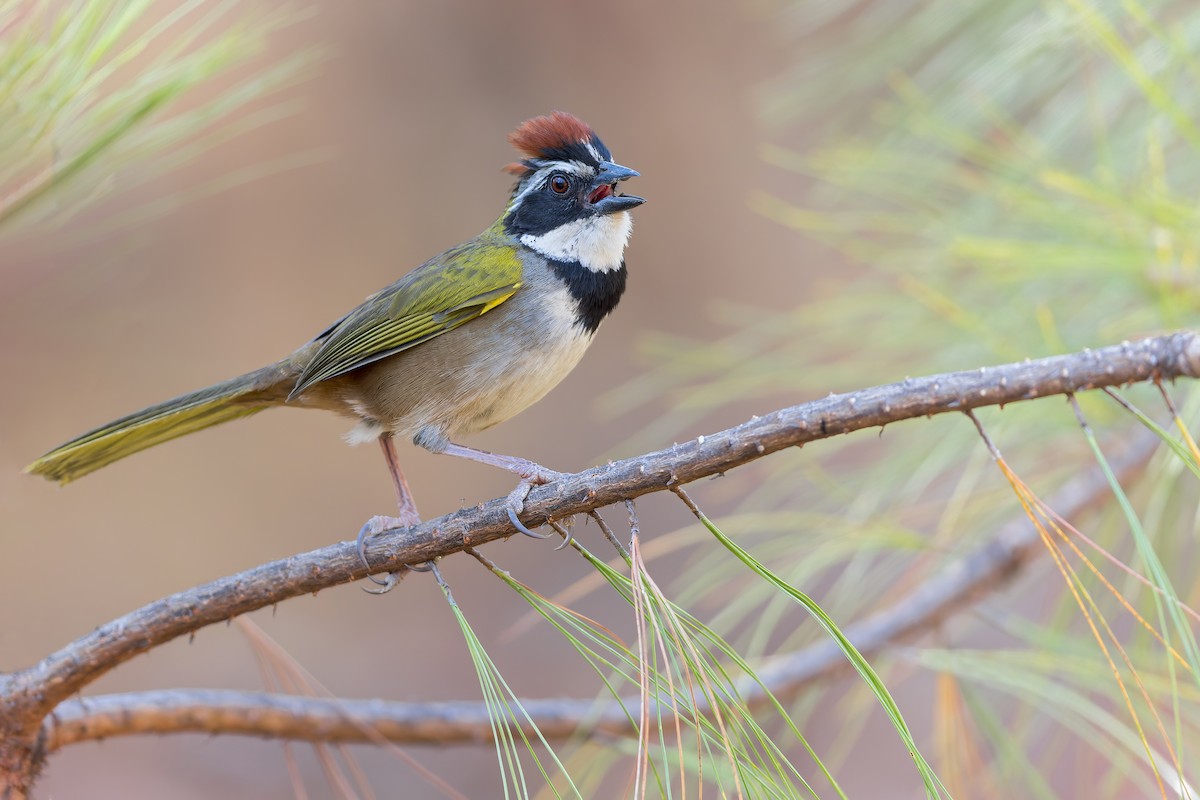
(598, 243)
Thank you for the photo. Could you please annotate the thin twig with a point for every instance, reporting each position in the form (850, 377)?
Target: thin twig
(688, 501)
(608, 534)
(983, 434)
(1179, 423)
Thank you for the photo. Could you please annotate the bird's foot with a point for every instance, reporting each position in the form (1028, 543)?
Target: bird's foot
(531, 475)
(374, 527)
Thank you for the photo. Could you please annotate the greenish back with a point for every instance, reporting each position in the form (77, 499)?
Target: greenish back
(449, 290)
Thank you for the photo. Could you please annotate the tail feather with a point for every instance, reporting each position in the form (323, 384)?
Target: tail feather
(233, 399)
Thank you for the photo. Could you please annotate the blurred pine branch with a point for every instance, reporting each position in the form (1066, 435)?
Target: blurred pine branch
(89, 89)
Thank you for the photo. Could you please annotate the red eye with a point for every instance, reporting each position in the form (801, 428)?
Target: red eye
(559, 184)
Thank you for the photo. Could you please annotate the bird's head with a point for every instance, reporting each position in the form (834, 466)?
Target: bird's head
(566, 205)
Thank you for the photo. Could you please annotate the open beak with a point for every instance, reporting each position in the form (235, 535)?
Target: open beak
(602, 195)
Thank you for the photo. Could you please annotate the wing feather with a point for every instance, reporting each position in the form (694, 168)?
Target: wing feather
(448, 291)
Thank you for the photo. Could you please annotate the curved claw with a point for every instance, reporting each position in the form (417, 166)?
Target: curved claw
(520, 526)
(568, 536)
(360, 543)
(426, 567)
(385, 584)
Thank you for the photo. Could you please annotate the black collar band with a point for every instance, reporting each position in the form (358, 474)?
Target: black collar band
(596, 293)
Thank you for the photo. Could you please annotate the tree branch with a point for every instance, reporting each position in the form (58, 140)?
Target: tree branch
(953, 589)
(316, 719)
(27, 696)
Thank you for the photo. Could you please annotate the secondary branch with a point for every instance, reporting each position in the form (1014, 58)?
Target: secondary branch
(954, 588)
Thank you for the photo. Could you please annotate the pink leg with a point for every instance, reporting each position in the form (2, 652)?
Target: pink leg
(532, 474)
(535, 473)
(408, 508)
(404, 498)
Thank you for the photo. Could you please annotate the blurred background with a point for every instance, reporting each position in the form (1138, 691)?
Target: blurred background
(393, 151)
(839, 195)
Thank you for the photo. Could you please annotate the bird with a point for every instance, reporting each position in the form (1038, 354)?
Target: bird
(463, 342)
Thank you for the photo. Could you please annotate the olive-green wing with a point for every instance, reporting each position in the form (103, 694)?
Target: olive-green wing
(441, 294)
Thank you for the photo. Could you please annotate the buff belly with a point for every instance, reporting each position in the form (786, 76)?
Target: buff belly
(474, 376)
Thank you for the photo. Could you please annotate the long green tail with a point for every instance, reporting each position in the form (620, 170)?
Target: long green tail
(239, 397)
